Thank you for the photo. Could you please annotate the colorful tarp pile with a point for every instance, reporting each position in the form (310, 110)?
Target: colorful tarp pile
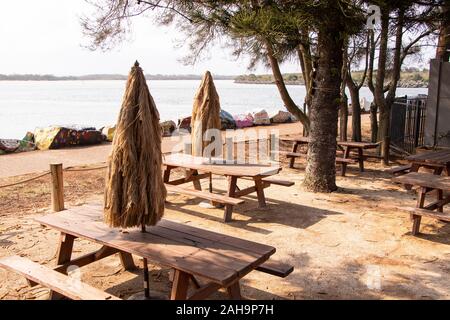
(60, 137)
(226, 120)
(14, 145)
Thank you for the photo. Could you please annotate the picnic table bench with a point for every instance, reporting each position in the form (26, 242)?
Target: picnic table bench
(346, 146)
(198, 168)
(341, 161)
(56, 281)
(208, 259)
(436, 160)
(427, 183)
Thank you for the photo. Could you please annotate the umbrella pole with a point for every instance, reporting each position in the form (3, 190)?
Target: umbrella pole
(146, 276)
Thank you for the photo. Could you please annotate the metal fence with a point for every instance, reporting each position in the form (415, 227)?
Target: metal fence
(408, 122)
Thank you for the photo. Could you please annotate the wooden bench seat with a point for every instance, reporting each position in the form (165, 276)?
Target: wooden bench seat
(400, 169)
(293, 154)
(217, 198)
(54, 280)
(283, 183)
(276, 268)
(270, 180)
(344, 162)
(418, 213)
(430, 214)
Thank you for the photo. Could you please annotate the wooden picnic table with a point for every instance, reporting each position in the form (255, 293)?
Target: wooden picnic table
(200, 168)
(426, 184)
(345, 146)
(436, 160)
(192, 253)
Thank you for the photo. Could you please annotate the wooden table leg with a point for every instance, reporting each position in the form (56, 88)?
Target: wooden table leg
(361, 159)
(259, 186)
(196, 182)
(180, 285)
(414, 168)
(440, 196)
(65, 248)
(234, 291)
(63, 256)
(126, 259)
(292, 160)
(232, 181)
(346, 152)
(166, 176)
(421, 194)
(416, 224)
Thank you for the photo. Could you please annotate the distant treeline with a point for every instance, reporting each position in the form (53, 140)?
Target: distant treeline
(409, 78)
(50, 77)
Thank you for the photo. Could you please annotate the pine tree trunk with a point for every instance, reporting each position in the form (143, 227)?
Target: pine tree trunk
(356, 110)
(320, 173)
(373, 122)
(343, 117)
(383, 131)
(279, 81)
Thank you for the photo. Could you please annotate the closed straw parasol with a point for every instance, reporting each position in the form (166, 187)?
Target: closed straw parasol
(135, 191)
(205, 114)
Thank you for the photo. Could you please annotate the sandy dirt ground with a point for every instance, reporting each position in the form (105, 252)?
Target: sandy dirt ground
(351, 244)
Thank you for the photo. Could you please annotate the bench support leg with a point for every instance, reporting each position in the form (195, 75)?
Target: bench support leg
(232, 185)
(421, 194)
(259, 186)
(196, 182)
(414, 168)
(234, 291)
(361, 159)
(62, 257)
(440, 196)
(343, 169)
(292, 160)
(180, 285)
(126, 259)
(416, 224)
(166, 177)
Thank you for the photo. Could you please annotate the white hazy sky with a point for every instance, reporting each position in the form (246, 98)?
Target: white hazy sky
(45, 37)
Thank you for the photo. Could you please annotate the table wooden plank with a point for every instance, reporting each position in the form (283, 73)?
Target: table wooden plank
(427, 180)
(354, 144)
(53, 280)
(238, 243)
(234, 242)
(204, 195)
(241, 261)
(202, 164)
(168, 248)
(441, 157)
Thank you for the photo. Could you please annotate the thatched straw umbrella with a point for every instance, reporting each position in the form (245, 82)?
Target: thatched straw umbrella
(205, 114)
(135, 192)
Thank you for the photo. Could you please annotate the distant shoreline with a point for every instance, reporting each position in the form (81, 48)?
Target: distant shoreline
(408, 85)
(109, 77)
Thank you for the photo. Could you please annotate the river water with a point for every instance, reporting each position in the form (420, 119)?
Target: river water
(25, 105)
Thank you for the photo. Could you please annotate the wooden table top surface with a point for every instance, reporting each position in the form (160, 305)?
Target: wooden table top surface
(441, 157)
(363, 145)
(203, 165)
(214, 256)
(427, 180)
